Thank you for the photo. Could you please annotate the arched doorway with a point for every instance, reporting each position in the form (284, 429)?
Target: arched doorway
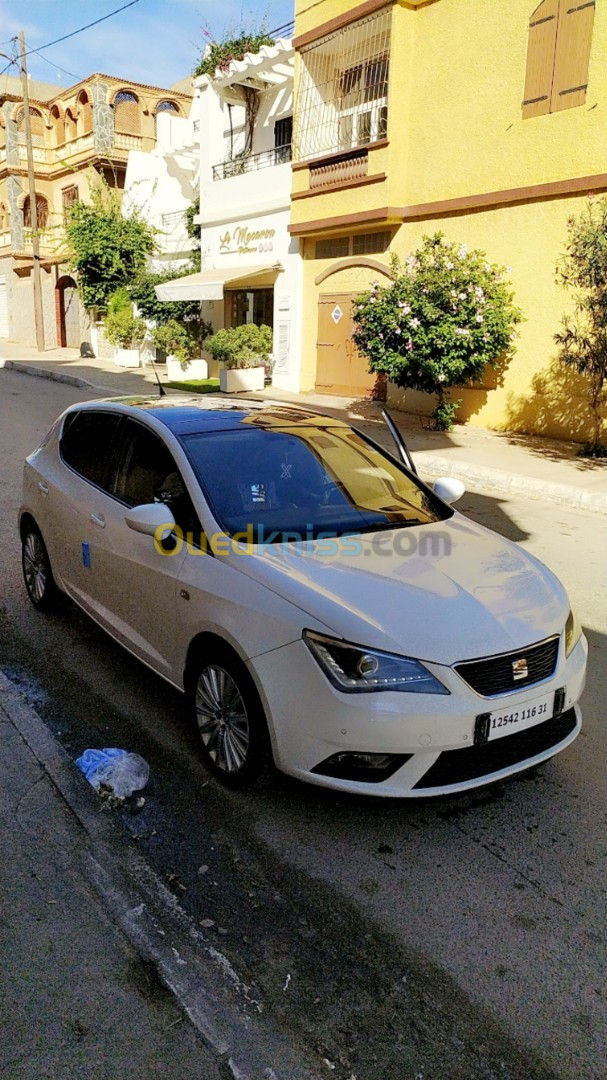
(67, 313)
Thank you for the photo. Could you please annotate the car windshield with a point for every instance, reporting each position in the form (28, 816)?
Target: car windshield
(301, 483)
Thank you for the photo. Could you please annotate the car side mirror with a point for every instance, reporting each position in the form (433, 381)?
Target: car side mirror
(149, 517)
(448, 489)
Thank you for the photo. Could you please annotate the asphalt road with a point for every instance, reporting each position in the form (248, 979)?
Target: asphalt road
(448, 939)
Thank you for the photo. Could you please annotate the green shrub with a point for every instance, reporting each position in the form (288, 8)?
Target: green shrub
(180, 339)
(122, 328)
(447, 314)
(582, 339)
(242, 346)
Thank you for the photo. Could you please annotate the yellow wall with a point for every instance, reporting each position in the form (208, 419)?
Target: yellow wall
(455, 129)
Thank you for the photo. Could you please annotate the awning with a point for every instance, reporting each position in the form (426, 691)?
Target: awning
(209, 284)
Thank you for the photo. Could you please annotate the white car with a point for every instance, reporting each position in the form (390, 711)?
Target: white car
(328, 612)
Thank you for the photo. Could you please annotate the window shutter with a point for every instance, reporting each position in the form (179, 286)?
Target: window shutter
(541, 50)
(572, 54)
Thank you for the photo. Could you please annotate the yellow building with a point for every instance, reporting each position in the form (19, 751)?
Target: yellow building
(483, 119)
(78, 134)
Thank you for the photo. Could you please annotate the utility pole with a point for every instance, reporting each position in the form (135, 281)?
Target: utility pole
(38, 310)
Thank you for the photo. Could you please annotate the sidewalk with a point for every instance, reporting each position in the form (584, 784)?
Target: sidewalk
(77, 999)
(504, 463)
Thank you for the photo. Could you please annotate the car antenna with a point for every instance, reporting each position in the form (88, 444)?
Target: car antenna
(161, 390)
(401, 445)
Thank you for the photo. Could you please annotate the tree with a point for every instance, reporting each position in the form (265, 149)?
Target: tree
(107, 249)
(582, 339)
(447, 314)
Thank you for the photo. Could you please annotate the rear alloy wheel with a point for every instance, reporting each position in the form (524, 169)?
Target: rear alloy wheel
(37, 573)
(231, 723)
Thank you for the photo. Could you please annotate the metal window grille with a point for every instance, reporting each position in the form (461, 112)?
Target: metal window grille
(334, 248)
(342, 100)
(69, 196)
(283, 131)
(370, 243)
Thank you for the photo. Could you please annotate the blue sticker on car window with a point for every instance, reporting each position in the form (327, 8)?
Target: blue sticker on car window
(86, 555)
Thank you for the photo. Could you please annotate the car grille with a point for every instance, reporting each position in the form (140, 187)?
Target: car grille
(495, 674)
(458, 766)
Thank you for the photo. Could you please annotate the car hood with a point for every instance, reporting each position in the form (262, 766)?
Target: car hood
(445, 592)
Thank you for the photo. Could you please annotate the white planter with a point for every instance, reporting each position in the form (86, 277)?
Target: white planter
(235, 380)
(195, 369)
(126, 357)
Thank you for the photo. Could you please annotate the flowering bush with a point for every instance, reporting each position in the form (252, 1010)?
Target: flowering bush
(447, 314)
(237, 42)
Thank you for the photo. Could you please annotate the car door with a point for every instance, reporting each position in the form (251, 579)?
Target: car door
(75, 482)
(135, 584)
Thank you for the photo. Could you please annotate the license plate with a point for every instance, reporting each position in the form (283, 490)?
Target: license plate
(507, 720)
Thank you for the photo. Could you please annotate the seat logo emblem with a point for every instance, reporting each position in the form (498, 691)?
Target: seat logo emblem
(520, 669)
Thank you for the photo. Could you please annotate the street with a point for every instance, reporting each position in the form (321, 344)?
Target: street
(430, 940)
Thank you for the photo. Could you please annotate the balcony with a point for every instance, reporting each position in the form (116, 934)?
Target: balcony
(352, 166)
(252, 162)
(122, 141)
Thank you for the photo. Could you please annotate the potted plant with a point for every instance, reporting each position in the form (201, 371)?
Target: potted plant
(182, 343)
(244, 351)
(124, 330)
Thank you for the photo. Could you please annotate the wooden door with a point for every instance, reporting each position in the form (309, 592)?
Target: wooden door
(340, 367)
(71, 307)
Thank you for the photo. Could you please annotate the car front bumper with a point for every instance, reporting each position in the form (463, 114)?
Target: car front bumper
(310, 722)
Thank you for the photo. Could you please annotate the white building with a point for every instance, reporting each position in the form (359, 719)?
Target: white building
(251, 267)
(163, 183)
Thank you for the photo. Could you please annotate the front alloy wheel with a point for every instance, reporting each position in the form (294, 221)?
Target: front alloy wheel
(232, 727)
(37, 573)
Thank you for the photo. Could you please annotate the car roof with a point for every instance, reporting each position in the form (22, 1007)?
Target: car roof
(185, 415)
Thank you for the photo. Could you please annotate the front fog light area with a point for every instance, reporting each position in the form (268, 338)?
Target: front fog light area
(366, 768)
(355, 670)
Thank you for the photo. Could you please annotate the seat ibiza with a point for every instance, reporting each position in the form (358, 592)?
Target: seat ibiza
(327, 612)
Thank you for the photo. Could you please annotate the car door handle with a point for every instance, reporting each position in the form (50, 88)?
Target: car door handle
(98, 519)
(43, 487)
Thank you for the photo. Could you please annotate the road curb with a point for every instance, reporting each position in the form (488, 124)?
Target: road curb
(486, 478)
(55, 376)
(479, 477)
(200, 978)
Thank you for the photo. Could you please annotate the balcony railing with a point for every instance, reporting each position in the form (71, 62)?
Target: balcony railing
(352, 166)
(278, 156)
(123, 141)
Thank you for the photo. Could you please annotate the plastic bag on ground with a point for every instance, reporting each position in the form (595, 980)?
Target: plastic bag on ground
(118, 770)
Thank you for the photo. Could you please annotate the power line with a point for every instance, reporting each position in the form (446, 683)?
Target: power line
(71, 74)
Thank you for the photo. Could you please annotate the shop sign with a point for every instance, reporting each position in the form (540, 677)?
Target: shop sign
(245, 241)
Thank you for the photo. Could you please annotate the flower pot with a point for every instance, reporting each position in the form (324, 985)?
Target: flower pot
(237, 380)
(194, 369)
(127, 358)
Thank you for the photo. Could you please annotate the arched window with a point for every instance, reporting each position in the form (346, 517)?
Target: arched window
(70, 125)
(41, 210)
(85, 114)
(36, 122)
(58, 125)
(558, 57)
(127, 115)
(166, 107)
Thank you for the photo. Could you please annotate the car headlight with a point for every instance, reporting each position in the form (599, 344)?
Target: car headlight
(355, 670)
(573, 632)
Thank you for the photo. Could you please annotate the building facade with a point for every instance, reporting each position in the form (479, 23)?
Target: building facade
(251, 267)
(78, 135)
(482, 120)
(161, 185)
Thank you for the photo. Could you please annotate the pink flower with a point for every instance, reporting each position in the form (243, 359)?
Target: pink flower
(409, 345)
(441, 378)
(479, 318)
(414, 323)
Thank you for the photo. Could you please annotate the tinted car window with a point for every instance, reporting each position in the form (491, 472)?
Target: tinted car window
(86, 445)
(148, 473)
(306, 481)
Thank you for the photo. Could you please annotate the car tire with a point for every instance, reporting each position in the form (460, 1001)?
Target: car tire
(229, 716)
(37, 574)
